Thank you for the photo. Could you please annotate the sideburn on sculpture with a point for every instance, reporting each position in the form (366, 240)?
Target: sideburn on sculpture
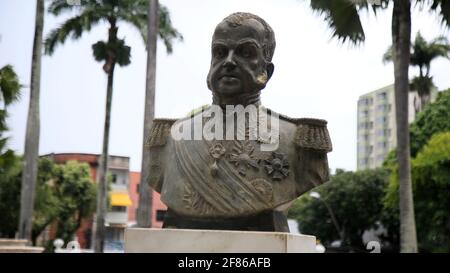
(234, 184)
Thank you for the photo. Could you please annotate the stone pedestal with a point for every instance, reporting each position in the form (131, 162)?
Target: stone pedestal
(17, 246)
(149, 240)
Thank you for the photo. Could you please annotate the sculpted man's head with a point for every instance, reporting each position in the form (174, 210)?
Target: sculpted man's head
(242, 48)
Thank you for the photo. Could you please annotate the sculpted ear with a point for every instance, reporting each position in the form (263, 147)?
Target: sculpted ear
(269, 67)
(208, 81)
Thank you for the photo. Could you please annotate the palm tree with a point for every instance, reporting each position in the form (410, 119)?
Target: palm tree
(343, 19)
(144, 210)
(111, 52)
(31, 154)
(422, 54)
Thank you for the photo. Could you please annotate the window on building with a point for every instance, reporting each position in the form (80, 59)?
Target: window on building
(366, 125)
(387, 132)
(382, 145)
(381, 107)
(114, 178)
(381, 96)
(365, 113)
(383, 120)
(160, 215)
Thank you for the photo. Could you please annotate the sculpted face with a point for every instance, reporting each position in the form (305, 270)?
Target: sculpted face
(238, 65)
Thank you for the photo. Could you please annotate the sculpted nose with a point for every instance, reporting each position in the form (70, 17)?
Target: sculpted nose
(229, 61)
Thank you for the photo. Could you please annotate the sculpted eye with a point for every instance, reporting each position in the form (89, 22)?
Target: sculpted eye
(220, 52)
(247, 51)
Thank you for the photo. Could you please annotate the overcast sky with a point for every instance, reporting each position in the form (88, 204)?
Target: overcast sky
(315, 76)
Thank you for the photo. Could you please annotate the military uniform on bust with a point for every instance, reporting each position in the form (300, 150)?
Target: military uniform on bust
(232, 184)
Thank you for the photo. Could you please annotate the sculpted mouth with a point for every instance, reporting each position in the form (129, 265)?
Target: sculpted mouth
(228, 77)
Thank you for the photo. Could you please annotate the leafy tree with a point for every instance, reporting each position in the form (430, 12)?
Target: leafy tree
(356, 200)
(111, 52)
(10, 164)
(431, 185)
(76, 194)
(422, 54)
(10, 196)
(65, 194)
(433, 119)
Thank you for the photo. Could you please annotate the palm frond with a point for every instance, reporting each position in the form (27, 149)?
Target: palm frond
(137, 16)
(117, 50)
(73, 27)
(9, 85)
(166, 31)
(442, 7)
(57, 7)
(343, 17)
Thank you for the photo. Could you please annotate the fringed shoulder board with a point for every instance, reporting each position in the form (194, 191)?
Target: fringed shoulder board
(159, 132)
(313, 134)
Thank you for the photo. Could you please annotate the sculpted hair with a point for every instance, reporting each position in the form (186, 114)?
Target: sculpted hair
(236, 19)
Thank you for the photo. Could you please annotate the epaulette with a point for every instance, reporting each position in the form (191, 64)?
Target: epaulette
(159, 132)
(313, 134)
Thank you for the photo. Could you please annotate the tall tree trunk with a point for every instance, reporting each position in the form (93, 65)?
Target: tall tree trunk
(401, 37)
(31, 157)
(144, 216)
(103, 168)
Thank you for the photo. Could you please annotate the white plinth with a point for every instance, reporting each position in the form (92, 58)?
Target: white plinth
(149, 240)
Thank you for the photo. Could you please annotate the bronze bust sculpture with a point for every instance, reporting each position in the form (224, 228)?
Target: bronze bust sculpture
(234, 184)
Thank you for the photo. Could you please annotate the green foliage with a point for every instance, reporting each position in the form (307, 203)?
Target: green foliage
(76, 194)
(421, 55)
(65, 194)
(9, 93)
(422, 84)
(430, 175)
(91, 13)
(356, 199)
(433, 119)
(9, 85)
(431, 187)
(10, 181)
(423, 52)
(121, 52)
(342, 17)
